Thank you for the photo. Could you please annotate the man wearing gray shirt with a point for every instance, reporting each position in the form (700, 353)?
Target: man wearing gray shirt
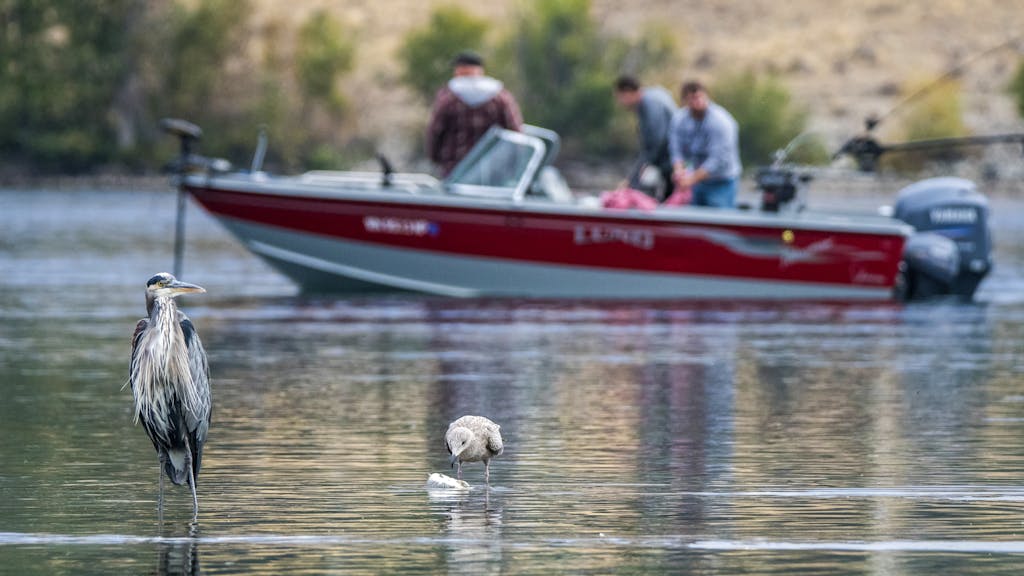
(654, 108)
(704, 147)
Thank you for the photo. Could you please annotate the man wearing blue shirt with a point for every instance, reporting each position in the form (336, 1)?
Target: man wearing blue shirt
(703, 143)
(654, 108)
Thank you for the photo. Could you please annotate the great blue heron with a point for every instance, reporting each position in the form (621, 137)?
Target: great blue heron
(170, 380)
(472, 439)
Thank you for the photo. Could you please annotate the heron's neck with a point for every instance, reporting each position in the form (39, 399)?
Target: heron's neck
(165, 343)
(161, 309)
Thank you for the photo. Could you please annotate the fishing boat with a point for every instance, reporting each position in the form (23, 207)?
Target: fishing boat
(505, 224)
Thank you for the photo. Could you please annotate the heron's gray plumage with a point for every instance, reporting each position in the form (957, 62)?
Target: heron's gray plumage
(170, 381)
(473, 439)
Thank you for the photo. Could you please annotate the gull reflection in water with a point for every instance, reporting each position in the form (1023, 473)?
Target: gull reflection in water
(472, 528)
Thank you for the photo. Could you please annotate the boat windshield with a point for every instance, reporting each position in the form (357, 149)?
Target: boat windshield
(501, 165)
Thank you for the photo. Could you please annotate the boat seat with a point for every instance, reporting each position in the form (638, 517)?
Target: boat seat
(552, 186)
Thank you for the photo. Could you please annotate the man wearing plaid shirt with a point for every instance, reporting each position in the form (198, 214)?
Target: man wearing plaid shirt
(464, 109)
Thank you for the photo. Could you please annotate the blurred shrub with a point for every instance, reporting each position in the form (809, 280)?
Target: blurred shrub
(654, 55)
(427, 52)
(933, 111)
(325, 53)
(768, 119)
(291, 88)
(62, 63)
(562, 67)
(200, 75)
(83, 83)
(558, 73)
(935, 114)
(332, 157)
(316, 117)
(1017, 87)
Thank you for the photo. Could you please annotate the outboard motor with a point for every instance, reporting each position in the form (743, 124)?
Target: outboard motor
(952, 250)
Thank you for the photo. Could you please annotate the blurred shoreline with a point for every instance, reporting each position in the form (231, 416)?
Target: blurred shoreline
(582, 179)
(103, 181)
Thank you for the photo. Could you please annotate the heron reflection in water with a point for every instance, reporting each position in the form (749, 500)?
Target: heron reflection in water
(170, 380)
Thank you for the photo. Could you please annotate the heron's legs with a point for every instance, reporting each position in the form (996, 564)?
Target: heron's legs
(160, 478)
(192, 484)
(160, 494)
(191, 480)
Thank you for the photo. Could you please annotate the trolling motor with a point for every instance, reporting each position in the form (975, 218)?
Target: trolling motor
(186, 162)
(188, 134)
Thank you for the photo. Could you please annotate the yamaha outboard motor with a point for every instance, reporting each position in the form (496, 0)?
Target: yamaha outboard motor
(952, 250)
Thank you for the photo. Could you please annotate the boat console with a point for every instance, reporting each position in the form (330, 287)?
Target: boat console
(782, 188)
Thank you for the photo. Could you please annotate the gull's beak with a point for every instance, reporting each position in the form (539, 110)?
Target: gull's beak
(453, 458)
(179, 287)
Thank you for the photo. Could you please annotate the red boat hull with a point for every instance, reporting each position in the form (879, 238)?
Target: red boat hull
(757, 256)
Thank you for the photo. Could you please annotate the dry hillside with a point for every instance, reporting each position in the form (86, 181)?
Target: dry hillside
(841, 58)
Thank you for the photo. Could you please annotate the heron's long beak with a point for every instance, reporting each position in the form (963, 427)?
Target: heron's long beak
(179, 287)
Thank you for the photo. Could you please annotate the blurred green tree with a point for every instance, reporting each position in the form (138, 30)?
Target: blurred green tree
(561, 67)
(233, 81)
(1017, 87)
(84, 82)
(936, 112)
(653, 55)
(205, 77)
(325, 53)
(62, 63)
(427, 52)
(768, 118)
(559, 73)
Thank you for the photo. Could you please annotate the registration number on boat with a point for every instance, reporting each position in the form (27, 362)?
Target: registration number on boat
(639, 238)
(400, 226)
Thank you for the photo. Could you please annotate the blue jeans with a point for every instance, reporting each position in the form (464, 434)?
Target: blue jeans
(717, 193)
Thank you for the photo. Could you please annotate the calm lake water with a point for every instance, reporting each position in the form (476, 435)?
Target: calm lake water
(699, 438)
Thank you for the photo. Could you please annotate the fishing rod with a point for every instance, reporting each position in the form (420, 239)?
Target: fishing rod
(873, 121)
(866, 150)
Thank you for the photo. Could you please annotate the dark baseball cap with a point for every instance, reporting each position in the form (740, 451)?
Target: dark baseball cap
(467, 58)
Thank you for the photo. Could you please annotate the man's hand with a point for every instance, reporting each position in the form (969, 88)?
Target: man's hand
(687, 179)
(680, 175)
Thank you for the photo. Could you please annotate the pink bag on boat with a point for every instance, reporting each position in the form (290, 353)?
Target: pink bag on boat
(626, 199)
(679, 197)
